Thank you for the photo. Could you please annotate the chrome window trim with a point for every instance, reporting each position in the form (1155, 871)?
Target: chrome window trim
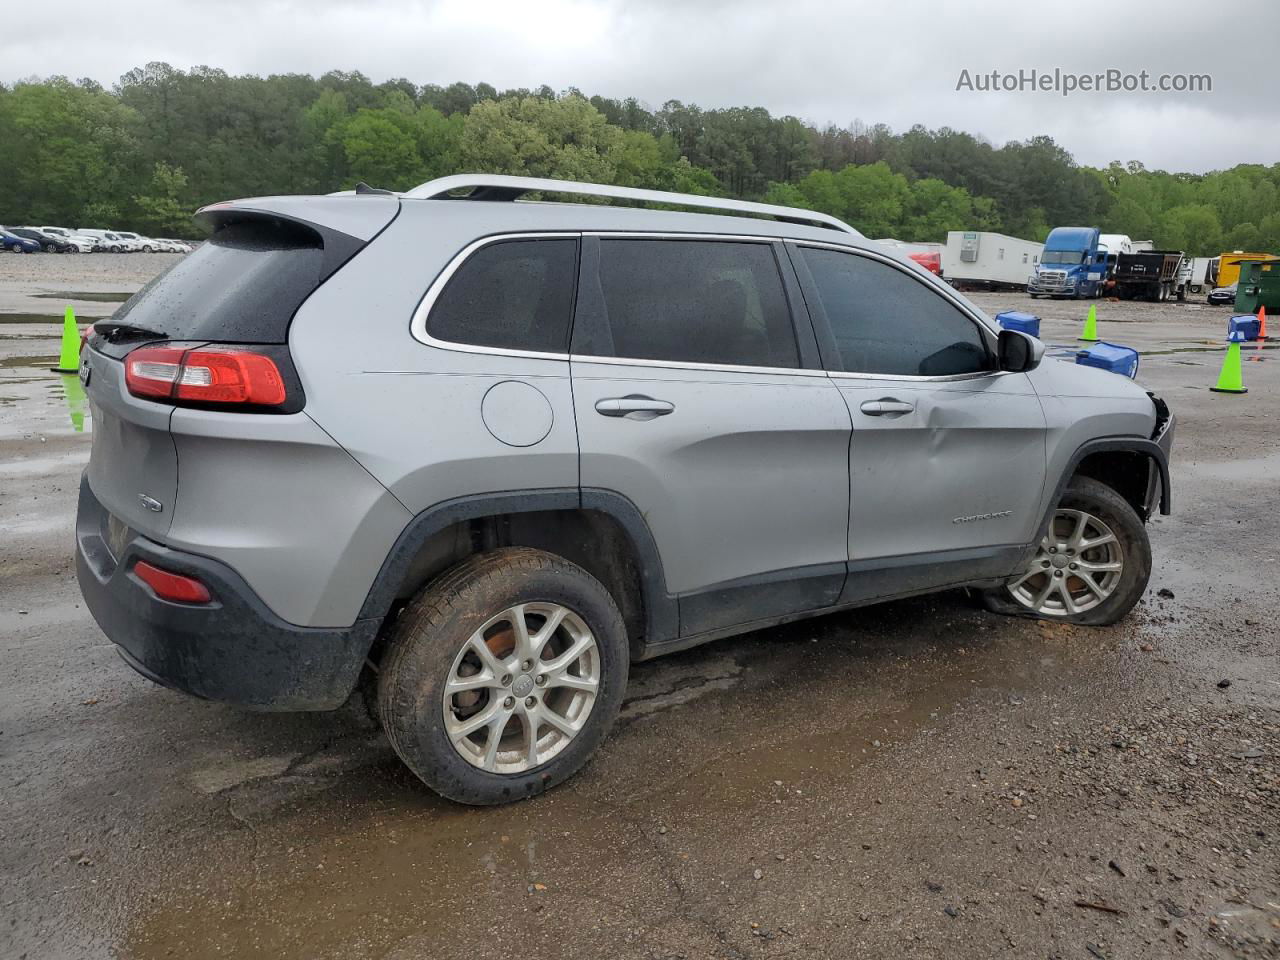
(418, 324)
(679, 235)
(693, 365)
(946, 293)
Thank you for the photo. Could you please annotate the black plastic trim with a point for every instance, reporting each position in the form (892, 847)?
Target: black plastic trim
(661, 614)
(1153, 449)
(760, 596)
(233, 649)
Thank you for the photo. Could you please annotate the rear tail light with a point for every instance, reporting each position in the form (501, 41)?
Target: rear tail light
(85, 334)
(220, 376)
(176, 587)
(931, 261)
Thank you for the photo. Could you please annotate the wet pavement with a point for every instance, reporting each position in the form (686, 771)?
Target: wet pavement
(916, 779)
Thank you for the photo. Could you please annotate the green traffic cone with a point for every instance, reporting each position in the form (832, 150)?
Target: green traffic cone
(1090, 334)
(1231, 380)
(69, 361)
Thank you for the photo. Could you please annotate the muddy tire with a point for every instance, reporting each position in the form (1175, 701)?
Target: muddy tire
(1092, 567)
(503, 676)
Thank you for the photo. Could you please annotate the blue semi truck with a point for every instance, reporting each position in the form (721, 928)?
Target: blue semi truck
(1074, 264)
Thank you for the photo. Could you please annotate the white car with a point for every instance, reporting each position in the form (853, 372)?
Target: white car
(82, 243)
(174, 246)
(139, 243)
(105, 240)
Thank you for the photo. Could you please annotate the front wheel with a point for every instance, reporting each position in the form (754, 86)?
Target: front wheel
(1090, 568)
(503, 676)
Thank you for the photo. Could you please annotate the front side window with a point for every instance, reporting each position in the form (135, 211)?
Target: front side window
(512, 295)
(887, 322)
(695, 301)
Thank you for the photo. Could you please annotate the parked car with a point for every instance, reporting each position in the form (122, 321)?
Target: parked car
(83, 243)
(16, 244)
(107, 242)
(500, 532)
(49, 243)
(1222, 295)
(138, 243)
(174, 246)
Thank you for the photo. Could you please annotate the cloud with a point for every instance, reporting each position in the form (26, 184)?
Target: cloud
(825, 62)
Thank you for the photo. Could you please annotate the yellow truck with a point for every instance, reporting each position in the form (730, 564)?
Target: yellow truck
(1229, 265)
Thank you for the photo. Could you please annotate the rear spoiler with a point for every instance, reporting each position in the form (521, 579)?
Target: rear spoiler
(343, 228)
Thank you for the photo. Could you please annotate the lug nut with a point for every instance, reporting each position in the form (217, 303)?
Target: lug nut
(541, 681)
(1044, 563)
(527, 666)
(1073, 565)
(1053, 549)
(1057, 573)
(506, 679)
(509, 702)
(530, 702)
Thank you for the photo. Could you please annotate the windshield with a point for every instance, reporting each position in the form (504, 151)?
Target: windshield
(1070, 257)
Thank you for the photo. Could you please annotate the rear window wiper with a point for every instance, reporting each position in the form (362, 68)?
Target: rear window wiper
(115, 332)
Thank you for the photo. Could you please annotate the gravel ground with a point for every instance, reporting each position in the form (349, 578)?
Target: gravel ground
(917, 779)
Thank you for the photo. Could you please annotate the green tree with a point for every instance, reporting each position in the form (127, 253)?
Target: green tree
(160, 211)
(566, 139)
(1193, 228)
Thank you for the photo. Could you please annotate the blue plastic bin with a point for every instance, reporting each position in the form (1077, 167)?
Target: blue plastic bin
(1022, 322)
(1246, 324)
(1110, 356)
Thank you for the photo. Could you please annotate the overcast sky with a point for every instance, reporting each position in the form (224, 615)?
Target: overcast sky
(879, 62)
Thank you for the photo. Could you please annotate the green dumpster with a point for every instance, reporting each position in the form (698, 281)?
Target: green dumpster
(1259, 286)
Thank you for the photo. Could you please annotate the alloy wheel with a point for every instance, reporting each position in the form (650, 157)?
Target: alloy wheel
(1077, 567)
(521, 688)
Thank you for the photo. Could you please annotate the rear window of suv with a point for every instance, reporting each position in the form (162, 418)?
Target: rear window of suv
(241, 286)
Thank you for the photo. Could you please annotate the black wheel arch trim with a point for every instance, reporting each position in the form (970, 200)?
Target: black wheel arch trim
(660, 607)
(1150, 448)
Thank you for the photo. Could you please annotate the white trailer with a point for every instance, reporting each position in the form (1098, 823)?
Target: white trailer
(1116, 244)
(1204, 274)
(989, 260)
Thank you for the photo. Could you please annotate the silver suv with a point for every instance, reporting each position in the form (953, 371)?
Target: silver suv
(488, 453)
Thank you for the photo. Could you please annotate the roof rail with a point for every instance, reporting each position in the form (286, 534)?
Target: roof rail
(498, 187)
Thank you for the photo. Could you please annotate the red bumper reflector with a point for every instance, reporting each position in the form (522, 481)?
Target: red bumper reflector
(171, 586)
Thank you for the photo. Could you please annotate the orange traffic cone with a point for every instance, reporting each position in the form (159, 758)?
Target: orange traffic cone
(1262, 322)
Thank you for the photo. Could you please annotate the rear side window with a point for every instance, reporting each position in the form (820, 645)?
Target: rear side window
(512, 295)
(887, 322)
(696, 301)
(241, 286)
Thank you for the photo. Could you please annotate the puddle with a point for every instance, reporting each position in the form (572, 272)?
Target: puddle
(781, 719)
(39, 361)
(89, 296)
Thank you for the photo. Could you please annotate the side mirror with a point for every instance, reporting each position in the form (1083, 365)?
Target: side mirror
(1018, 352)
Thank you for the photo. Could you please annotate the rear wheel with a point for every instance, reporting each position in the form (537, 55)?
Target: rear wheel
(503, 676)
(1090, 568)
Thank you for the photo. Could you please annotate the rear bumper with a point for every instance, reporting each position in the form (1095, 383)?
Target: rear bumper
(233, 649)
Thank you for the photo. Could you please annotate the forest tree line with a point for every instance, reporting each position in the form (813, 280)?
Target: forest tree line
(146, 153)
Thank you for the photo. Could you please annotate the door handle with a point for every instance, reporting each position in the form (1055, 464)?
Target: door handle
(887, 405)
(634, 407)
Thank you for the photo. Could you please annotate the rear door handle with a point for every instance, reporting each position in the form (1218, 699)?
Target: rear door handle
(887, 405)
(634, 407)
